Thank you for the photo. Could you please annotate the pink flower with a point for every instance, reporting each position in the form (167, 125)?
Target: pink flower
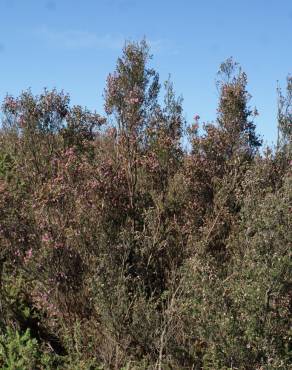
(46, 238)
(17, 253)
(28, 255)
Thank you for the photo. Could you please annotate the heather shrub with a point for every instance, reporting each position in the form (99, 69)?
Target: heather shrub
(121, 250)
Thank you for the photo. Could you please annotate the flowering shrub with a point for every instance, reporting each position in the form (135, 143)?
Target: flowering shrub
(119, 249)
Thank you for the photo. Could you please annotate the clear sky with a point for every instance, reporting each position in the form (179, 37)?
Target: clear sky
(73, 45)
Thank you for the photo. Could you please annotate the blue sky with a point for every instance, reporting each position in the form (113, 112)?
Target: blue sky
(73, 45)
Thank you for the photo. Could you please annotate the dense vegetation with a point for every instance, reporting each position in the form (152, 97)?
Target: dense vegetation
(122, 250)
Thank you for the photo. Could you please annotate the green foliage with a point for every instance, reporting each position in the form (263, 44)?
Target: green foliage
(285, 118)
(18, 351)
(6, 166)
(119, 250)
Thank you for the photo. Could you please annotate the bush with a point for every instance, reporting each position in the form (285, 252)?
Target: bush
(120, 250)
